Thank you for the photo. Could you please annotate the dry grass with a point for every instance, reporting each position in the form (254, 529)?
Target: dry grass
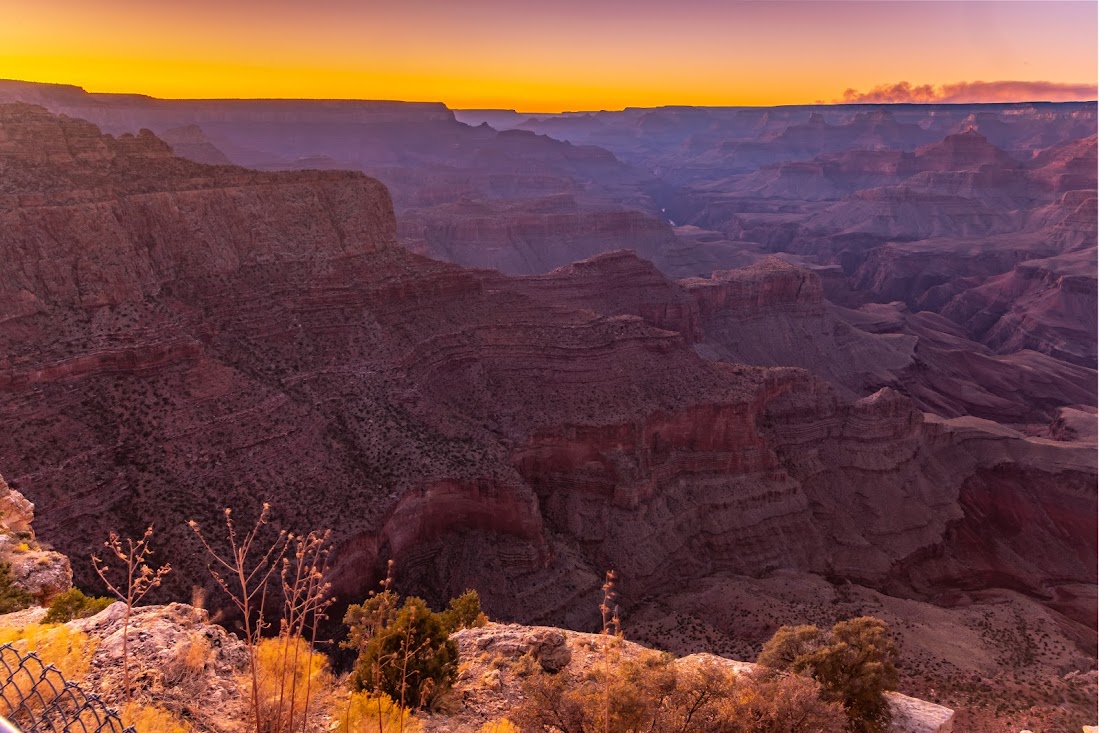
(186, 671)
(70, 651)
(362, 711)
(152, 719)
(503, 725)
(295, 683)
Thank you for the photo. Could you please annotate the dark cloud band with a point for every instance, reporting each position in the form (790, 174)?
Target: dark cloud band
(973, 91)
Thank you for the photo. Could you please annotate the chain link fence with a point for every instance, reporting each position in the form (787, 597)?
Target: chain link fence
(35, 697)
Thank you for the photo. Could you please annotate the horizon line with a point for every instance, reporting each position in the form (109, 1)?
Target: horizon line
(562, 111)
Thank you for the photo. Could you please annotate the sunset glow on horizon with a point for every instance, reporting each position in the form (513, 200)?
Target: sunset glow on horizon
(558, 54)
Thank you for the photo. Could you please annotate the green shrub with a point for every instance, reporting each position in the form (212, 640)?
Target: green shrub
(409, 656)
(789, 645)
(73, 604)
(464, 612)
(12, 597)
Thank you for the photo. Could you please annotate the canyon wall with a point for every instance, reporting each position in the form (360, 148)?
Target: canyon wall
(180, 337)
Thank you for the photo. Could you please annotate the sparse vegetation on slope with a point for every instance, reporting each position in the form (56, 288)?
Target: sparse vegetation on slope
(68, 650)
(653, 694)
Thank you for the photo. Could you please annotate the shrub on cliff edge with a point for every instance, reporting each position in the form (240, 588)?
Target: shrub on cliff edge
(854, 664)
(73, 604)
(12, 597)
(408, 658)
(464, 612)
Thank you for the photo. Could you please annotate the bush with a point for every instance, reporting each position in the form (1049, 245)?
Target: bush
(409, 657)
(503, 725)
(787, 703)
(654, 694)
(374, 712)
(12, 597)
(789, 645)
(464, 612)
(73, 604)
(634, 697)
(854, 665)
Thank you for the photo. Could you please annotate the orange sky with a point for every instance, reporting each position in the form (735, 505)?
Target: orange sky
(542, 56)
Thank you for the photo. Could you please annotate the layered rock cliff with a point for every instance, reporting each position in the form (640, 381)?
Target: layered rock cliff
(530, 236)
(1044, 304)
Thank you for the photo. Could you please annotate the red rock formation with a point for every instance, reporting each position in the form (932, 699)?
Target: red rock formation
(1067, 166)
(773, 314)
(1048, 305)
(531, 236)
(620, 283)
(515, 200)
(769, 286)
(1076, 422)
(969, 150)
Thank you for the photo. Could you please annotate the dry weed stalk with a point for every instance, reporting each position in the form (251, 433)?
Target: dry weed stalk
(611, 633)
(243, 576)
(306, 599)
(138, 579)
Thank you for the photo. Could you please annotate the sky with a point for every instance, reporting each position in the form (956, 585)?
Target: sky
(554, 55)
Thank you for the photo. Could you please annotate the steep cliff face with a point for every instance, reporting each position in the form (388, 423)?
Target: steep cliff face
(769, 286)
(925, 472)
(531, 236)
(774, 314)
(621, 283)
(114, 219)
(467, 194)
(969, 150)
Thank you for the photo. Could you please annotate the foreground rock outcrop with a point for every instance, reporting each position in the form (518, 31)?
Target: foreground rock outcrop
(40, 572)
(180, 661)
(493, 657)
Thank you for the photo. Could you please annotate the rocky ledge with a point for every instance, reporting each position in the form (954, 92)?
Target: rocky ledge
(41, 572)
(491, 673)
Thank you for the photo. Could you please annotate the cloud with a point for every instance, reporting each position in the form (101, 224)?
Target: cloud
(973, 91)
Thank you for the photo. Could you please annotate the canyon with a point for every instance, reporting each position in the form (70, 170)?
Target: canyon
(849, 369)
